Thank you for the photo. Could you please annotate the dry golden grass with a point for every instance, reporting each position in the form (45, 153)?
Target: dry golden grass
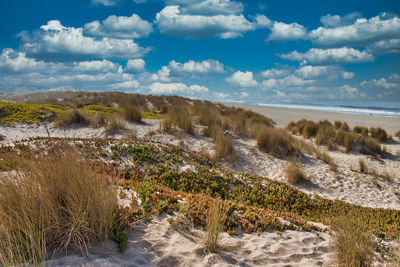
(132, 113)
(353, 247)
(276, 142)
(293, 173)
(178, 117)
(53, 203)
(216, 217)
(114, 124)
(379, 134)
(68, 117)
(362, 166)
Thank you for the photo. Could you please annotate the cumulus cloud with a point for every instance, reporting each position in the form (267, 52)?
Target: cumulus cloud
(361, 32)
(119, 27)
(286, 32)
(105, 2)
(173, 88)
(323, 72)
(205, 66)
(332, 21)
(316, 56)
(12, 61)
(275, 73)
(135, 65)
(56, 42)
(172, 22)
(162, 75)
(390, 83)
(347, 92)
(391, 46)
(208, 7)
(242, 79)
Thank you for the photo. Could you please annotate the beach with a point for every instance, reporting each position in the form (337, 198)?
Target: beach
(282, 116)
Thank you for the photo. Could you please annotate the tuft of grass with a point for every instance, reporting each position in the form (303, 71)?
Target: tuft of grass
(276, 142)
(293, 173)
(361, 130)
(130, 134)
(223, 144)
(353, 246)
(216, 217)
(178, 117)
(132, 113)
(362, 166)
(69, 117)
(114, 125)
(397, 134)
(53, 203)
(378, 134)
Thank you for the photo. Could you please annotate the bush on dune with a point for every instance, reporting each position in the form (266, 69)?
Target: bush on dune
(132, 113)
(276, 142)
(178, 117)
(51, 204)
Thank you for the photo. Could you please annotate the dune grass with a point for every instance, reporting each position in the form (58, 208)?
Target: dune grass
(132, 113)
(51, 204)
(353, 245)
(216, 217)
(276, 142)
(178, 117)
(293, 173)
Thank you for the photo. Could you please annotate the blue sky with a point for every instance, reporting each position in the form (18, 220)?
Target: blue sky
(252, 51)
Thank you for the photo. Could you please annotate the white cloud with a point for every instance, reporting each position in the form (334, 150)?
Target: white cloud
(208, 7)
(162, 75)
(382, 83)
(286, 32)
(172, 22)
(391, 46)
(323, 72)
(119, 27)
(275, 73)
(361, 32)
(347, 92)
(316, 56)
(280, 93)
(14, 62)
(135, 65)
(54, 41)
(244, 94)
(173, 88)
(205, 66)
(331, 21)
(242, 79)
(221, 94)
(105, 2)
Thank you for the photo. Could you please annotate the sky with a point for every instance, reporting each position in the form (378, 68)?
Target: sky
(321, 52)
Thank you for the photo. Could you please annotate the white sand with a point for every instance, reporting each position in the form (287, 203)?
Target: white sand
(156, 243)
(282, 116)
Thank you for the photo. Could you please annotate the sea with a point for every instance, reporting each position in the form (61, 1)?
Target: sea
(388, 111)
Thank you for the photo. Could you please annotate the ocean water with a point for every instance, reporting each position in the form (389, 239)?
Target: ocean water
(372, 111)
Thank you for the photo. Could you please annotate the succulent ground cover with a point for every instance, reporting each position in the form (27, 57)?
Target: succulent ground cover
(162, 174)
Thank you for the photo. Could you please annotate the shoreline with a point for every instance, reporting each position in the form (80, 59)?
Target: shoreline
(282, 116)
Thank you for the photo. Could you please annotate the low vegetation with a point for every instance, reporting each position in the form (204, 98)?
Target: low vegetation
(353, 244)
(216, 218)
(327, 134)
(293, 173)
(397, 134)
(54, 203)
